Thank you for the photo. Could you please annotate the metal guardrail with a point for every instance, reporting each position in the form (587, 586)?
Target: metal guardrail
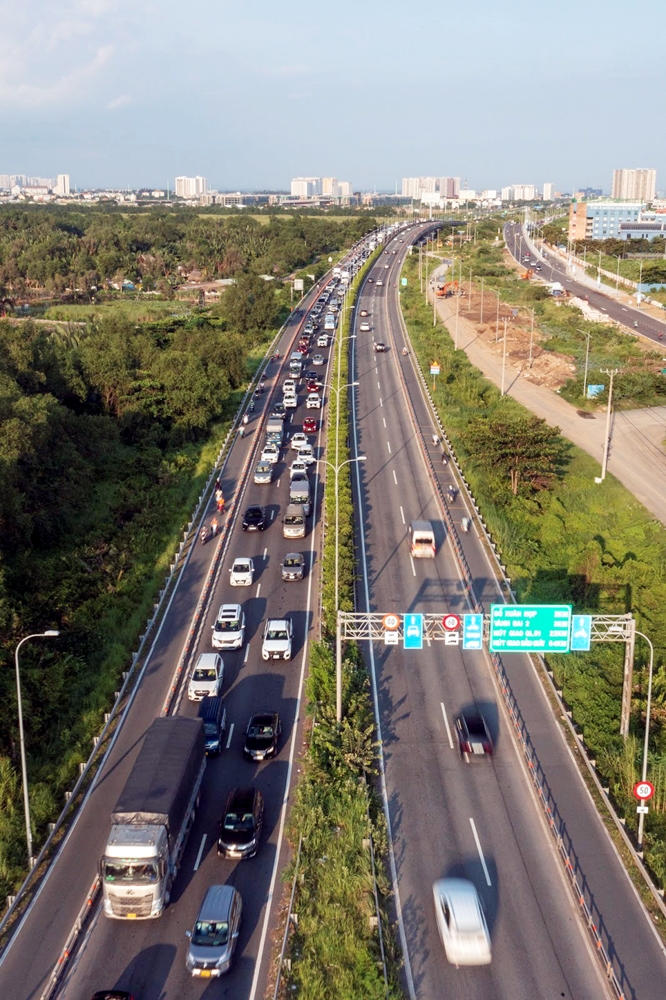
(592, 917)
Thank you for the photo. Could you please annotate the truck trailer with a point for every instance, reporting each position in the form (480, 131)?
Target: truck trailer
(152, 819)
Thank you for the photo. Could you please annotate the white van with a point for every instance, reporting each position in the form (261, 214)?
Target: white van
(329, 321)
(422, 540)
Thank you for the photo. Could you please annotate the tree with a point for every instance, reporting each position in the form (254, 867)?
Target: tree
(525, 449)
(250, 304)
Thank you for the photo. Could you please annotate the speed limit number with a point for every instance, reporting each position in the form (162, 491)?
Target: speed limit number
(643, 790)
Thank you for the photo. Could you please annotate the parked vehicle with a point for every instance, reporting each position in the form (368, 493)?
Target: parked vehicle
(214, 937)
(152, 819)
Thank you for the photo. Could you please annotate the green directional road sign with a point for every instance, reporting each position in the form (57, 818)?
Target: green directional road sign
(530, 628)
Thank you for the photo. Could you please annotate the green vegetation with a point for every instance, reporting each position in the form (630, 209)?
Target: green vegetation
(334, 950)
(568, 541)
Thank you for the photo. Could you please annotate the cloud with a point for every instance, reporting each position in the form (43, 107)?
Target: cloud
(65, 87)
(119, 102)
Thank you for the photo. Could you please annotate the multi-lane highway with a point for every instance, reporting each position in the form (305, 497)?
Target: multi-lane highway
(449, 818)
(555, 269)
(148, 957)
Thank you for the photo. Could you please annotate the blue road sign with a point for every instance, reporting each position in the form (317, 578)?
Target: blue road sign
(472, 631)
(413, 632)
(581, 633)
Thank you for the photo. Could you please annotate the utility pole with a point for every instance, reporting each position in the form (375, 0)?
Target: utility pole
(457, 311)
(469, 305)
(587, 359)
(531, 338)
(504, 357)
(481, 307)
(612, 372)
(497, 319)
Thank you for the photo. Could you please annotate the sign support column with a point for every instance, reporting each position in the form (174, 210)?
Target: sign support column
(628, 679)
(338, 670)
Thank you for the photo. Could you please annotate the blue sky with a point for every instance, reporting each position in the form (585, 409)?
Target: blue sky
(133, 93)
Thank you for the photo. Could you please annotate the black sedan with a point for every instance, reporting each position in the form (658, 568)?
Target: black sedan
(473, 735)
(254, 518)
(261, 736)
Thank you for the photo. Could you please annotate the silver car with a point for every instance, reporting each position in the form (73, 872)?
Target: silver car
(214, 937)
(263, 473)
(461, 922)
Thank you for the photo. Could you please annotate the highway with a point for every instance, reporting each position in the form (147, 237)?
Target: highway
(479, 820)
(555, 269)
(148, 957)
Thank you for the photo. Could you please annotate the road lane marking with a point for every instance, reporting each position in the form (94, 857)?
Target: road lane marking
(247, 653)
(384, 419)
(258, 590)
(278, 483)
(378, 385)
(413, 566)
(402, 515)
(388, 445)
(395, 479)
(446, 723)
(198, 861)
(381, 401)
(231, 733)
(478, 847)
(265, 553)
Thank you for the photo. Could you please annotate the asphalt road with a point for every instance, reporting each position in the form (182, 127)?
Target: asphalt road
(148, 957)
(474, 820)
(555, 269)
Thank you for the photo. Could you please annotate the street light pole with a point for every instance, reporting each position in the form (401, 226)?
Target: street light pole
(612, 372)
(641, 816)
(24, 769)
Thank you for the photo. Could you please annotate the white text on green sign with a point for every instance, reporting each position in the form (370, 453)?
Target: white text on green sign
(530, 628)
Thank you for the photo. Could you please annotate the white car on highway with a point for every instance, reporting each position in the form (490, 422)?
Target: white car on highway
(298, 440)
(290, 401)
(276, 645)
(229, 627)
(271, 453)
(298, 467)
(364, 327)
(206, 677)
(313, 402)
(241, 573)
(461, 922)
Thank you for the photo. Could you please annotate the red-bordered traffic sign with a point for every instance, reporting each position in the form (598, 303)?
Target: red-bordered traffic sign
(391, 622)
(643, 790)
(451, 623)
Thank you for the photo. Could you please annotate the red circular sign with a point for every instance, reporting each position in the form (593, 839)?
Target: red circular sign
(643, 790)
(391, 622)
(451, 623)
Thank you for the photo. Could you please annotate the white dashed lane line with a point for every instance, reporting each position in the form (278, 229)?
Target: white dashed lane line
(402, 515)
(395, 480)
(478, 847)
(446, 723)
(388, 445)
(231, 733)
(384, 419)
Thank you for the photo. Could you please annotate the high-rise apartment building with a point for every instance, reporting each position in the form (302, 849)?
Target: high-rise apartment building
(548, 192)
(637, 184)
(5, 182)
(306, 187)
(191, 187)
(416, 187)
(62, 185)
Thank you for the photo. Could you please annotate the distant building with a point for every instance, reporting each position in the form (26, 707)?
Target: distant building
(191, 187)
(638, 184)
(62, 185)
(5, 182)
(601, 220)
(548, 192)
(306, 187)
(416, 187)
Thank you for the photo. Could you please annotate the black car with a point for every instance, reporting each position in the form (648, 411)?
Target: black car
(241, 823)
(279, 410)
(473, 735)
(293, 566)
(254, 518)
(261, 736)
(112, 995)
(311, 376)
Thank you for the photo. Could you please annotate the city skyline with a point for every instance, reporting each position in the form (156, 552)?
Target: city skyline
(124, 98)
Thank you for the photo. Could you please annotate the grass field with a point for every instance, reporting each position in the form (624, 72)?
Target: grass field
(134, 310)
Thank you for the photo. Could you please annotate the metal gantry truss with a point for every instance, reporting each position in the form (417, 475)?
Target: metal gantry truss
(359, 625)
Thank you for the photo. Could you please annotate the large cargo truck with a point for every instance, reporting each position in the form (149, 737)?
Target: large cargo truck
(275, 430)
(152, 819)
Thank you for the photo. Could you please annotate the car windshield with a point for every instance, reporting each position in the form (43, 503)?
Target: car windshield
(210, 728)
(241, 567)
(277, 633)
(204, 674)
(265, 731)
(210, 934)
(239, 821)
(295, 561)
(136, 872)
(293, 519)
(227, 625)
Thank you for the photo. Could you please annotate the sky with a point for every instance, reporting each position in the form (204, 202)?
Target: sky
(132, 94)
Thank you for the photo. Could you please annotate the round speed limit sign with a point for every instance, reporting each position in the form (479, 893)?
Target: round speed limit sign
(390, 622)
(451, 623)
(643, 790)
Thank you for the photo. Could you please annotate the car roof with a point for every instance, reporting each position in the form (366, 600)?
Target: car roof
(295, 555)
(463, 901)
(229, 611)
(242, 559)
(264, 717)
(474, 720)
(217, 903)
(241, 798)
(277, 622)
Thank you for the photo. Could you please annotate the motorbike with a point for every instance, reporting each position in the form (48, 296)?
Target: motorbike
(465, 524)
(203, 535)
(251, 406)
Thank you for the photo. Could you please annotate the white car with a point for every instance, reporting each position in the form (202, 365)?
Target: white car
(306, 454)
(276, 645)
(461, 922)
(318, 359)
(271, 453)
(298, 440)
(206, 677)
(289, 387)
(322, 341)
(290, 401)
(364, 327)
(241, 573)
(313, 402)
(229, 627)
(298, 467)
(379, 281)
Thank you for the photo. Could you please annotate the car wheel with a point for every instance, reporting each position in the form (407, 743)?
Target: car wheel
(287, 656)
(265, 656)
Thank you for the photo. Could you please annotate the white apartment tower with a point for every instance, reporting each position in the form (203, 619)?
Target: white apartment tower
(191, 187)
(62, 185)
(638, 184)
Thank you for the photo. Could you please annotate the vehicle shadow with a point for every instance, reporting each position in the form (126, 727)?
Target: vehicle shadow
(153, 965)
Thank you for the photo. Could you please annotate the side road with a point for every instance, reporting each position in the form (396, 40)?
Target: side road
(637, 453)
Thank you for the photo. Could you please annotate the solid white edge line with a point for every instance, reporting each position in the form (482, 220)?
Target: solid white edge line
(290, 767)
(446, 723)
(380, 747)
(201, 849)
(231, 733)
(478, 847)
